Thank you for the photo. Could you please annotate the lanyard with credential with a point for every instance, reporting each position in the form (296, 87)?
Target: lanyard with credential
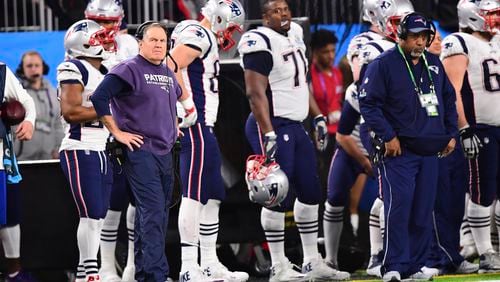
(417, 88)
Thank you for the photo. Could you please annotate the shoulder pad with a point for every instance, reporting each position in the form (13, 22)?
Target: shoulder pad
(254, 41)
(297, 33)
(72, 70)
(127, 46)
(355, 45)
(454, 44)
(351, 96)
(372, 50)
(195, 35)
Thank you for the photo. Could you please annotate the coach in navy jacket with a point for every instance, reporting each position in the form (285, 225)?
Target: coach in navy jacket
(407, 100)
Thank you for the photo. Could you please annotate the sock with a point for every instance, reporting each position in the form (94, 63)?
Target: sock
(479, 221)
(376, 241)
(88, 243)
(496, 224)
(11, 241)
(130, 231)
(209, 229)
(333, 222)
(189, 225)
(465, 232)
(306, 217)
(273, 224)
(355, 223)
(108, 241)
(382, 221)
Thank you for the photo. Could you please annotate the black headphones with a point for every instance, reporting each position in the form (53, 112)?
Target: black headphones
(139, 33)
(403, 31)
(20, 69)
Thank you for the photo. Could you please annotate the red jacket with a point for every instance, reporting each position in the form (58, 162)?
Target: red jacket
(328, 92)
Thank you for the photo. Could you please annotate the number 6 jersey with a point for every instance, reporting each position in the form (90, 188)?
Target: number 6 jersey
(287, 92)
(481, 86)
(88, 135)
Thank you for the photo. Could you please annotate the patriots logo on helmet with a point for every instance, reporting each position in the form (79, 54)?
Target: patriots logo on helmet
(385, 5)
(448, 45)
(273, 192)
(235, 10)
(82, 26)
(251, 43)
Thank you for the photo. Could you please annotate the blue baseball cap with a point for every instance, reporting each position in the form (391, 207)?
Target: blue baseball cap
(416, 23)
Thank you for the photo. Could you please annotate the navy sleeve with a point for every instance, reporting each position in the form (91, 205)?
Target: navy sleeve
(261, 62)
(111, 86)
(348, 119)
(372, 97)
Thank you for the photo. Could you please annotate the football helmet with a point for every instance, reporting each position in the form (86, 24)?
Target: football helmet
(390, 14)
(226, 17)
(105, 10)
(267, 183)
(468, 15)
(87, 38)
(490, 11)
(370, 10)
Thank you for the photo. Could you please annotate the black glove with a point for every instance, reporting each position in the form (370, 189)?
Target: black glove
(470, 142)
(378, 149)
(319, 123)
(270, 145)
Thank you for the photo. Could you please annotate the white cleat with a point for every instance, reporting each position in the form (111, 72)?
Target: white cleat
(316, 269)
(128, 274)
(469, 252)
(391, 276)
(218, 271)
(193, 275)
(109, 276)
(431, 271)
(283, 271)
(467, 267)
(374, 266)
(419, 276)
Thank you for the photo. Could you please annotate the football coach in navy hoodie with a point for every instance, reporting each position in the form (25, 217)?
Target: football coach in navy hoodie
(408, 102)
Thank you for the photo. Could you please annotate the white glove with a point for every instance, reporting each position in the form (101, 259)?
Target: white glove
(190, 115)
(270, 145)
(470, 142)
(321, 130)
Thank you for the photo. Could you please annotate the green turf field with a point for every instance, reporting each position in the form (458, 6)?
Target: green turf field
(361, 276)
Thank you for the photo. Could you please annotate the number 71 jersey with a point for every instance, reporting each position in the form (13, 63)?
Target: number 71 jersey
(288, 91)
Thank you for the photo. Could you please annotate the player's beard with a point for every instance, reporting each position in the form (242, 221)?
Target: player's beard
(417, 52)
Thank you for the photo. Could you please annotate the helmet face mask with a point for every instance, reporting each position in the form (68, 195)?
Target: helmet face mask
(105, 12)
(226, 17)
(490, 11)
(267, 184)
(87, 38)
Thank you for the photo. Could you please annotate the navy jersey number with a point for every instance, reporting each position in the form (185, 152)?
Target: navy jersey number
(286, 57)
(490, 76)
(214, 82)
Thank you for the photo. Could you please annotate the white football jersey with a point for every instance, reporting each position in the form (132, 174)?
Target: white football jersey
(357, 43)
(287, 79)
(126, 48)
(351, 97)
(89, 135)
(373, 49)
(481, 85)
(201, 76)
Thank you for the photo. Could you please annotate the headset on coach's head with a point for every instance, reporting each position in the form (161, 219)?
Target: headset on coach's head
(20, 67)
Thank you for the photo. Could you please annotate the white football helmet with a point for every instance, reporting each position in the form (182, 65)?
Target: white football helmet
(468, 15)
(490, 11)
(370, 10)
(105, 10)
(87, 38)
(226, 17)
(391, 12)
(267, 183)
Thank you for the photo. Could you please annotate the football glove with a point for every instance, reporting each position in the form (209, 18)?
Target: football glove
(270, 145)
(378, 149)
(471, 144)
(319, 123)
(190, 115)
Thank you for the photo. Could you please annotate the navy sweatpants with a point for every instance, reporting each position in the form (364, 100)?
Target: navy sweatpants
(151, 179)
(344, 170)
(409, 184)
(448, 213)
